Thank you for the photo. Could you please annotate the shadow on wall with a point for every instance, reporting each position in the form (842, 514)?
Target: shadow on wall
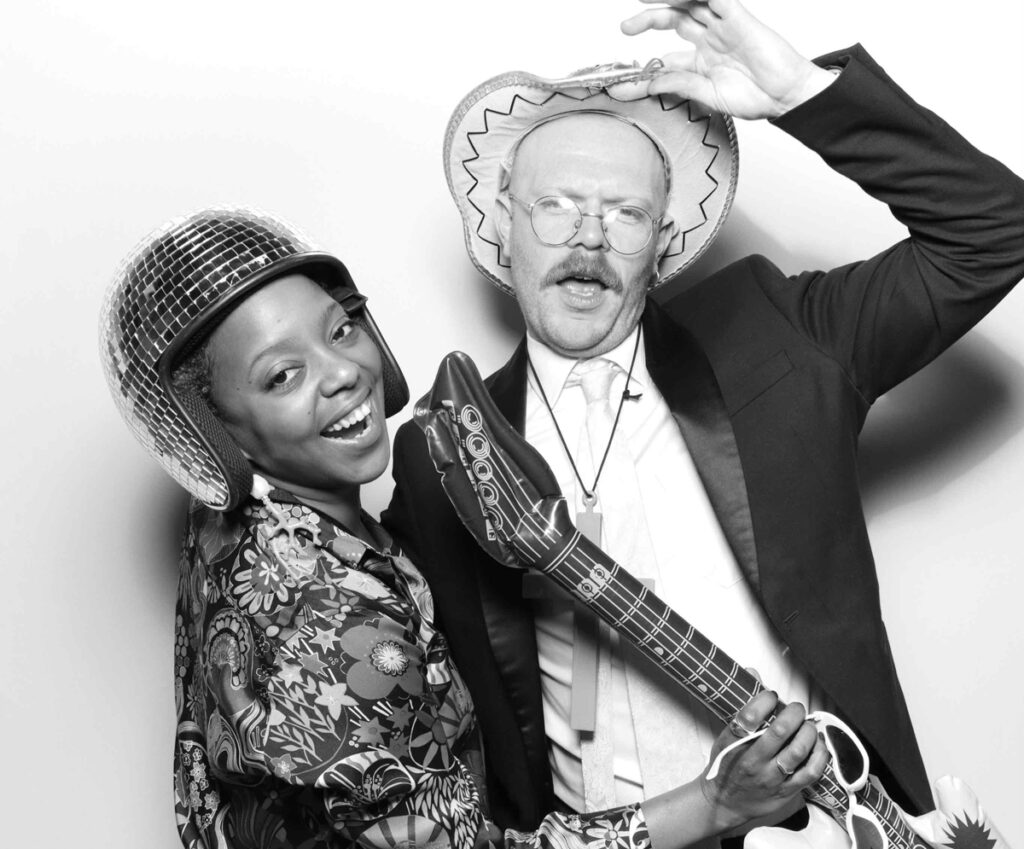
(164, 514)
(930, 429)
(940, 423)
(502, 311)
(740, 237)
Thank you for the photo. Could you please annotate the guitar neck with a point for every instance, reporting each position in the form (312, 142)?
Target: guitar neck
(658, 631)
(696, 663)
(513, 520)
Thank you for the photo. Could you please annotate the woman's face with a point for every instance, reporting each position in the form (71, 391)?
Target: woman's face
(298, 386)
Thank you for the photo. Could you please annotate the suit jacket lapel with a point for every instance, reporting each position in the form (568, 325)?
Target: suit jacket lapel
(682, 373)
(508, 388)
(684, 376)
(507, 615)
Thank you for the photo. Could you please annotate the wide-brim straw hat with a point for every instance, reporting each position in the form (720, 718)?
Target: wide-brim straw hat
(698, 144)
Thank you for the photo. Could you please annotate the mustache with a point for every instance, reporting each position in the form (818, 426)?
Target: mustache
(595, 267)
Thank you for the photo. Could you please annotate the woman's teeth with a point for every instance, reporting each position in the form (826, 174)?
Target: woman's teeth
(351, 425)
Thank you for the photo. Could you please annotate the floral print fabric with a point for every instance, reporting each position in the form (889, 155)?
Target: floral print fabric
(317, 705)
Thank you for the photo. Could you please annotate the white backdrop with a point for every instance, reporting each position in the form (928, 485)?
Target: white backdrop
(119, 115)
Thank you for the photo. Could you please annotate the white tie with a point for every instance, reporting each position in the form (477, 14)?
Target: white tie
(617, 488)
(655, 702)
(597, 750)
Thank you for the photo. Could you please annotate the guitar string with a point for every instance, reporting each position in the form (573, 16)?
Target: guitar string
(835, 790)
(723, 685)
(702, 658)
(882, 808)
(687, 649)
(572, 564)
(690, 650)
(875, 802)
(699, 659)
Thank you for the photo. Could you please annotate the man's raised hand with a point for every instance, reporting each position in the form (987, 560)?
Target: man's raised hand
(736, 64)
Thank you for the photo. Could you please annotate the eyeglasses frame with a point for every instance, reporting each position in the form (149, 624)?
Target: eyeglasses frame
(655, 222)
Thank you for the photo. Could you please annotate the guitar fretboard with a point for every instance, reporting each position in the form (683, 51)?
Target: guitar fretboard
(685, 654)
(535, 527)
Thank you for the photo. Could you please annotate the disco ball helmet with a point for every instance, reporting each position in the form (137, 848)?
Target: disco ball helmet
(167, 297)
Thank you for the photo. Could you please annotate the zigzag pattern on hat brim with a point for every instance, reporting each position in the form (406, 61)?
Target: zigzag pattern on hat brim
(491, 263)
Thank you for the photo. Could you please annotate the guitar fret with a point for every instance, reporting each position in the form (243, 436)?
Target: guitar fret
(684, 661)
(678, 655)
(628, 613)
(692, 660)
(553, 567)
(576, 564)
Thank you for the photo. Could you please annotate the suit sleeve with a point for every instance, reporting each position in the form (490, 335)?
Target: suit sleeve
(413, 505)
(886, 317)
(400, 518)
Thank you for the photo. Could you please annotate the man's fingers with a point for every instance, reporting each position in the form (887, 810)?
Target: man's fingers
(684, 84)
(685, 60)
(753, 714)
(681, 21)
(702, 10)
(703, 14)
(723, 8)
(688, 5)
(719, 8)
(814, 765)
(793, 755)
(675, 4)
(649, 20)
(786, 724)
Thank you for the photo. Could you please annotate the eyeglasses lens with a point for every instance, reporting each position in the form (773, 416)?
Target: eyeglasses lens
(628, 228)
(864, 830)
(847, 758)
(556, 220)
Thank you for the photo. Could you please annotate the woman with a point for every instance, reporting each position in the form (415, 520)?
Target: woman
(317, 705)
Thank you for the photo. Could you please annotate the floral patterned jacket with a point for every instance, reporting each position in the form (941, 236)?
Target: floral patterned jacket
(317, 705)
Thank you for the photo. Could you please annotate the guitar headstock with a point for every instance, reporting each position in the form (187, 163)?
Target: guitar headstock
(500, 487)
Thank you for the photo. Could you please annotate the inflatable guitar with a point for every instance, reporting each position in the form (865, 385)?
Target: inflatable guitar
(507, 497)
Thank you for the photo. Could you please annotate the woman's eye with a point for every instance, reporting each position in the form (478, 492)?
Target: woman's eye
(280, 378)
(344, 329)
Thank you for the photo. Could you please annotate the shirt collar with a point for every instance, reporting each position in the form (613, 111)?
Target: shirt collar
(552, 369)
(383, 543)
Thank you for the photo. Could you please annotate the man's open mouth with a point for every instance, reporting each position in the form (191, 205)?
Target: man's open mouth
(582, 286)
(582, 279)
(352, 425)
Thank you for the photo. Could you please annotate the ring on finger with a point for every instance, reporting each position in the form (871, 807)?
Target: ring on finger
(786, 773)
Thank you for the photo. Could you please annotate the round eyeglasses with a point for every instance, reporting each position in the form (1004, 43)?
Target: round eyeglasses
(555, 220)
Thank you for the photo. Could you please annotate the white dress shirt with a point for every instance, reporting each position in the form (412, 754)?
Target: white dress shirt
(698, 574)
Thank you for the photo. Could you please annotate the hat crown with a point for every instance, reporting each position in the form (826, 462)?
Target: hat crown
(486, 125)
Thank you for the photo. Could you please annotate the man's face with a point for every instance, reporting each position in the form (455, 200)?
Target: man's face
(298, 386)
(582, 299)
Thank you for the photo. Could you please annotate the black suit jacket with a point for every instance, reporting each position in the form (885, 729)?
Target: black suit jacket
(769, 378)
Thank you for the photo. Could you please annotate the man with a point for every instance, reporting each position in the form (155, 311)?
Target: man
(732, 453)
